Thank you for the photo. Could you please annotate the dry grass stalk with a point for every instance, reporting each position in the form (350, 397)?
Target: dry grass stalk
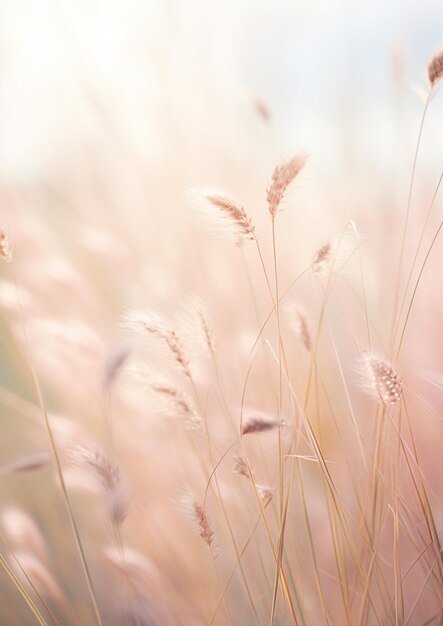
(108, 477)
(257, 422)
(382, 379)
(5, 248)
(282, 177)
(435, 68)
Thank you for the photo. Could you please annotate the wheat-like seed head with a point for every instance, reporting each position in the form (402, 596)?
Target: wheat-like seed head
(435, 68)
(282, 177)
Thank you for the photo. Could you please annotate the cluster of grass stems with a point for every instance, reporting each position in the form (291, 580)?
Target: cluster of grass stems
(286, 533)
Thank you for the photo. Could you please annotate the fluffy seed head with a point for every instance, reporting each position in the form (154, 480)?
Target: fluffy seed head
(301, 325)
(224, 215)
(240, 467)
(107, 476)
(435, 68)
(195, 323)
(264, 492)
(333, 254)
(257, 422)
(27, 565)
(206, 327)
(113, 364)
(194, 514)
(282, 177)
(23, 532)
(382, 379)
(5, 248)
(146, 323)
(262, 109)
(130, 562)
(322, 258)
(30, 462)
(182, 405)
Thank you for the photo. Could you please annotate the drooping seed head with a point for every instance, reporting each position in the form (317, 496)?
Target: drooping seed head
(107, 476)
(223, 215)
(182, 406)
(258, 422)
(147, 323)
(240, 467)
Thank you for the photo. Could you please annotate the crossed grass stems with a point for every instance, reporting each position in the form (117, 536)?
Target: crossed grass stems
(364, 556)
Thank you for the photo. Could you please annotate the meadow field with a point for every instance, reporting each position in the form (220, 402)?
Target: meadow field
(221, 313)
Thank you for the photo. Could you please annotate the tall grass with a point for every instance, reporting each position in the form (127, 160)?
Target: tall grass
(242, 431)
